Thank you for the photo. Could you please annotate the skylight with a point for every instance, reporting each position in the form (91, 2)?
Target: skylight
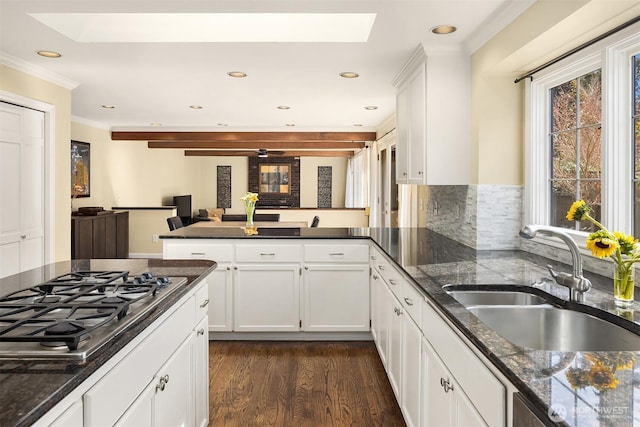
(210, 27)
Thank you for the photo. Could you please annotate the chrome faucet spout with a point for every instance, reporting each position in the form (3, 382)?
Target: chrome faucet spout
(577, 284)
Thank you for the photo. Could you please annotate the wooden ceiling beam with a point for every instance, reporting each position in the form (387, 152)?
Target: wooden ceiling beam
(243, 153)
(244, 136)
(279, 145)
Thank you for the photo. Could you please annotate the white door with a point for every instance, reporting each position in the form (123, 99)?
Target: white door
(21, 189)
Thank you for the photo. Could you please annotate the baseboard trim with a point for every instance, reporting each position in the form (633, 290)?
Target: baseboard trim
(290, 336)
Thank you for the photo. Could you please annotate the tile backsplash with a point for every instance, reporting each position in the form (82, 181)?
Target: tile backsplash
(484, 217)
(489, 217)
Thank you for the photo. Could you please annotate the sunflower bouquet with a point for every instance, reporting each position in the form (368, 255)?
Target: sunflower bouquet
(622, 248)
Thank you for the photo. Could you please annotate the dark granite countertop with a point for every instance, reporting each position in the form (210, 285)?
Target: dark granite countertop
(266, 233)
(584, 388)
(548, 379)
(30, 388)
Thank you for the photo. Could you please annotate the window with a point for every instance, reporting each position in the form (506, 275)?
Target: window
(583, 136)
(575, 146)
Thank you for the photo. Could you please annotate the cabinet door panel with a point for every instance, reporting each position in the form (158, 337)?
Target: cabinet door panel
(394, 362)
(266, 298)
(411, 372)
(140, 413)
(436, 403)
(417, 118)
(171, 404)
(220, 299)
(200, 375)
(99, 238)
(402, 138)
(336, 298)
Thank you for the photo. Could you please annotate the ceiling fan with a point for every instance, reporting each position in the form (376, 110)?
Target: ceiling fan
(261, 152)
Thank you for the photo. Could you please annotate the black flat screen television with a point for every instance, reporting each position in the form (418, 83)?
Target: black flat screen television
(183, 203)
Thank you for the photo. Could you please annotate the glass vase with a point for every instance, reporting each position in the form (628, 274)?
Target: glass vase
(623, 285)
(250, 210)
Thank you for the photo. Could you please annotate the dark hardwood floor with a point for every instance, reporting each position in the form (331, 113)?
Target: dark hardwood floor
(299, 384)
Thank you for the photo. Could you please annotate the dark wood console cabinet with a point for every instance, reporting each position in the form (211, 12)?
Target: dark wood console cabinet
(100, 236)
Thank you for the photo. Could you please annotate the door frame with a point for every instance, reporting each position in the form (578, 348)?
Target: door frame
(48, 186)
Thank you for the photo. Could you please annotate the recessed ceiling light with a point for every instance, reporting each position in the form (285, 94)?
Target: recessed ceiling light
(349, 75)
(195, 107)
(290, 124)
(222, 124)
(156, 124)
(237, 74)
(108, 107)
(371, 107)
(49, 54)
(443, 29)
(283, 107)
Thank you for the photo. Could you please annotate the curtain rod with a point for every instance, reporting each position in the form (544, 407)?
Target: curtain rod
(577, 49)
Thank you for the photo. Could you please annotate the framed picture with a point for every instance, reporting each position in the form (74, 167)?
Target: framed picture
(274, 178)
(80, 169)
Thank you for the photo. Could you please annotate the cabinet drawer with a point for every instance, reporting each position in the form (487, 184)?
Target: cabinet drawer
(201, 300)
(268, 253)
(182, 250)
(412, 299)
(336, 253)
(392, 277)
(478, 383)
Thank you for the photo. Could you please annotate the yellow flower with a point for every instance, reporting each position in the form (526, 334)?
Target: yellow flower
(602, 377)
(578, 211)
(602, 244)
(249, 197)
(627, 243)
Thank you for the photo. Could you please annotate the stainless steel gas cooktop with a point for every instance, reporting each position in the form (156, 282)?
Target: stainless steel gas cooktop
(74, 315)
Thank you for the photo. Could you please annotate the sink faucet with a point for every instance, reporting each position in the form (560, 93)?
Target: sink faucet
(576, 283)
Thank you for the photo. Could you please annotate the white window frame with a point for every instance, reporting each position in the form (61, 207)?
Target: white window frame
(613, 56)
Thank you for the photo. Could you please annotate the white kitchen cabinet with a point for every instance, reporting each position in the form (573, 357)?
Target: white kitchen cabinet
(22, 189)
(335, 287)
(200, 374)
(335, 298)
(266, 297)
(153, 381)
(381, 312)
(410, 381)
(394, 353)
(170, 389)
(432, 119)
(454, 373)
(220, 284)
(444, 402)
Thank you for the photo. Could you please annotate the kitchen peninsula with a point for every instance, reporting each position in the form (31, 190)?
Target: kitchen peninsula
(118, 380)
(551, 384)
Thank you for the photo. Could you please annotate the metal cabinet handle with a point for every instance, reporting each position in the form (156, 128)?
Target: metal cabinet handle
(336, 254)
(373, 257)
(201, 331)
(446, 385)
(265, 254)
(205, 303)
(375, 277)
(23, 236)
(397, 311)
(163, 383)
(404, 174)
(197, 254)
(393, 282)
(408, 301)
(381, 267)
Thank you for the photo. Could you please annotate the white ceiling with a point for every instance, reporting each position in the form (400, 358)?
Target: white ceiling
(152, 82)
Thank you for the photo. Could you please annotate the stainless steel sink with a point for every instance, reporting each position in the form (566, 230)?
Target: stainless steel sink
(473, 298)
(546, 327)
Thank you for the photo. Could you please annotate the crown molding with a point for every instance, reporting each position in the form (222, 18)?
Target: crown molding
(36, 71)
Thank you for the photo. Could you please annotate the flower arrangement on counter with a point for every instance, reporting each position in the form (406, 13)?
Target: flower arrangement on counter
(249, 200)
(599, 370)
(623, 250)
